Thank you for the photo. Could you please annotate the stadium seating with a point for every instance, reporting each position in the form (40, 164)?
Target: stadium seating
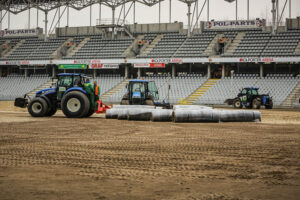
(107, 82)
(279, 87)
(167, 46)
(14, 86)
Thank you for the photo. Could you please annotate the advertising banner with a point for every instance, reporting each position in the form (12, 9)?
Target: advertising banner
(19, 32)
(233, 24)
(103, 66)
(72, 66)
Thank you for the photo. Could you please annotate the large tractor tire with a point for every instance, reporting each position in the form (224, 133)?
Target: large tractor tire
(75, 105)
(256, 103)
(51, 107)
(38, 107)
(269, 106)
(237, 103)
(90, 113)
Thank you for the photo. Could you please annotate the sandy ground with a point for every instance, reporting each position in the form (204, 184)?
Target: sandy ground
(95, 158)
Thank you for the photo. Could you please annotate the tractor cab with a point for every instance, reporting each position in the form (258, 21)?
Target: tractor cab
(140, 92)
(69, 80)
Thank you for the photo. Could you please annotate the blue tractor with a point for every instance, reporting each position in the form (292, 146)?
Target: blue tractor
(249, 98)
(72, 95)
(142, 92)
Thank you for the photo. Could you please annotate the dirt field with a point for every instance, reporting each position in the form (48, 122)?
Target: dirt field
(95, 158)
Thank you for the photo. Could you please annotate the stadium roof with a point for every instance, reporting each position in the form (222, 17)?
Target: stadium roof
(17, 6)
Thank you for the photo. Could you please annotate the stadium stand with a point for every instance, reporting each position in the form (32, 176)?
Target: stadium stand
(14, 86)
(279, 87)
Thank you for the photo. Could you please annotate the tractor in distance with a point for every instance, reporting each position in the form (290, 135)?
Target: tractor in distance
(72, 95)
(142, 92)
(249, 98)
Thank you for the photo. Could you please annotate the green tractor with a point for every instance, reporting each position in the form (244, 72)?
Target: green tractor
(249, 98)
(142, 92)
(72, 94)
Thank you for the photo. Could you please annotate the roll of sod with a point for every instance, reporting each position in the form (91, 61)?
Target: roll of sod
(133, 106)
(112, 113)
(240, 116)
(161, 115)
(139, 114)
(122, 114)
(201, 115)
(190, 107)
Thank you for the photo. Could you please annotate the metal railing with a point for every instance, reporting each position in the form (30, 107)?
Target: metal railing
(110, 21)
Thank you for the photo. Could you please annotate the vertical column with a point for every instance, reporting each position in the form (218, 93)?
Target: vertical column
(94, 73)
(113, 22)
(261, 70)
(275, 68)
(65, 71)
(8, 20)
(207, 10)
(99, 13)
(139, 72)
(68, 15)
(290, 68)
(190, 68)
(189, 19)
(90, 15)
(26, 72)
(208, 71)
(248, 10)
(273, 16)
(53, 71)
(29, 18)
(37, 16)
(1, 20)
(0, 72)
(173, 71)
(290, 9)
(159, 15)
(126, 71)
(236, 10)
(223, 70)
(46, 25)
(170, 11)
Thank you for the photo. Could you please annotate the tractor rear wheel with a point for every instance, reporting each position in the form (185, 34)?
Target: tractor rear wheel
(75, 104)
(37, 107)
(270, 106)
(51, 111)
(237, 103)
(256, 104)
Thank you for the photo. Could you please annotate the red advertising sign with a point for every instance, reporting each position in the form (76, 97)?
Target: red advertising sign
(96, 66)
(157, 65)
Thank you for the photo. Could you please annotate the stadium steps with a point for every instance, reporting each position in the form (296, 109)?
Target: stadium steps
(128, 53)
(13, 49)
(199, 92)
(56, 53)
(293, 99)
(152, 45)
(115, 89)
(210, 49)
(234, 44)
(4, 51)
(48, 84)
(81, 44)
(297, 50)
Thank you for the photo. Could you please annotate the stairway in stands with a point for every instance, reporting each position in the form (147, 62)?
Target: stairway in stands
(114, 90)
(147, 50)
(13, 49)
(293, 98)
(48, 84)
(234, 44)
(199, 92)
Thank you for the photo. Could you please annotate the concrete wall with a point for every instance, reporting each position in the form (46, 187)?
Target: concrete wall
(293, 23)
(85, 30)
(163, 27)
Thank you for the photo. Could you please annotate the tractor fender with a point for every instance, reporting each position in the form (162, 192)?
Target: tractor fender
(75, 89)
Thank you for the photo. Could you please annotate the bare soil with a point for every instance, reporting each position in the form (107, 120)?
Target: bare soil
(95, 158)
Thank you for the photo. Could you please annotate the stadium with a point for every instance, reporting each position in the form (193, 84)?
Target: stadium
(246, 64)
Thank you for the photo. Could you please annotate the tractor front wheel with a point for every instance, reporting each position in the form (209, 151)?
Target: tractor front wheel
(75, 105)
(237, 103)
(37, 107)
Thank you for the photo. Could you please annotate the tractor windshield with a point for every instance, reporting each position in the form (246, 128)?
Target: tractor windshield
(139, 87)
(153, 90)
(254, 92)
(64, 81)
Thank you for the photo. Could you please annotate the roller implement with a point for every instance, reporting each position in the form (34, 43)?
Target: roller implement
(73, 94)
(249, 98)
